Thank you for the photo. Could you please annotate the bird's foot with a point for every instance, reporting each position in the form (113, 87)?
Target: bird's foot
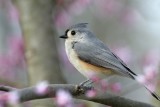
(87, 82)
(85, 86)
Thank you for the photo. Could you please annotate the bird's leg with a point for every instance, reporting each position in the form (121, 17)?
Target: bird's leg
(85, 85)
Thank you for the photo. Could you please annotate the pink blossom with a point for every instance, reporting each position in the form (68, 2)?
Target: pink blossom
(64, 98)
(3, 99)
(116, 87)
(150, 72)
(150, 69)
(150, 84)
(93, 77)
(13, 97)
(141, 79)
(3, 96)
(149, 77)
(91, 93)
(104, 85)
(42, 88)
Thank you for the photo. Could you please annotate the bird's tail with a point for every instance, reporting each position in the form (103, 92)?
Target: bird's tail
(153, 93)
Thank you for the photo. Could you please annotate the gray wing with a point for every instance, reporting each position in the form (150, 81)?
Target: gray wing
(103, 57)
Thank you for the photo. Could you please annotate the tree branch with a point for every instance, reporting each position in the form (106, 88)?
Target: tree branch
(27, 94)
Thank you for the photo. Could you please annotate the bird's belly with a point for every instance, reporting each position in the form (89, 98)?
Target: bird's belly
(88, 70)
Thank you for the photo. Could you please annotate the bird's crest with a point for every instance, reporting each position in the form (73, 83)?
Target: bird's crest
(79, 25)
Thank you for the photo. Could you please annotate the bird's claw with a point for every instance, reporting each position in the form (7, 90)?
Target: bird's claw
(84, 86)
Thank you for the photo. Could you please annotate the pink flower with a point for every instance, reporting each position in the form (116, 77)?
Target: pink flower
(141, 79)
(149, 77)
(116, 87)
(13, 97)
(150, 72)
(104, 85)
(91, 93)
(42, 88)
(3, 99)
(93, 77)
(64, 98)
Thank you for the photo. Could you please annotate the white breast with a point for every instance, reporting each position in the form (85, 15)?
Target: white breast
(72, 56)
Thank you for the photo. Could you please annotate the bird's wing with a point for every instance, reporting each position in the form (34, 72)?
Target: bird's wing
(102, 57)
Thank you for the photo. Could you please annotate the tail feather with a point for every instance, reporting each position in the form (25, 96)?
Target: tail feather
(153, 94)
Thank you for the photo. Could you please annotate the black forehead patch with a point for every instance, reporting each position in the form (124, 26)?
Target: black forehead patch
(79, 25)
(66, 31)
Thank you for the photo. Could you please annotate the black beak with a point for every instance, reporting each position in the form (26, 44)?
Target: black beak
(63, 36)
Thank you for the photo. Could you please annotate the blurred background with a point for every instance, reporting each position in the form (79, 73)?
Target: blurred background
(31, 51)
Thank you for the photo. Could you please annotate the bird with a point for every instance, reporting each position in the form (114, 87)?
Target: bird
(89, 55)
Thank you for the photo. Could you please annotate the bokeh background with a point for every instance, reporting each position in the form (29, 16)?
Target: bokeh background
(31, 51)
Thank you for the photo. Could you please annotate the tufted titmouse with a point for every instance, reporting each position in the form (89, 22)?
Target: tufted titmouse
(89, 55)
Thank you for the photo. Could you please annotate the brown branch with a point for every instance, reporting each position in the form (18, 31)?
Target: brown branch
(7, 88)
(27, 94)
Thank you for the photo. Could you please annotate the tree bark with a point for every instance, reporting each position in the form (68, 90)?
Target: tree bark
(41, 53)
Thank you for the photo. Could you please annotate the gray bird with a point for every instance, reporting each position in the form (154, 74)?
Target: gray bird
(89, 55)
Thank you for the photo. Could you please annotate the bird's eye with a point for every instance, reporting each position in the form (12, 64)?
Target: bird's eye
(73, 32)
